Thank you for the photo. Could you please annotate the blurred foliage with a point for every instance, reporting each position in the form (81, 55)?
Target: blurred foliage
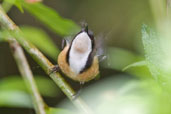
(116, 58)
(47, 16)
(149, 93)
(17, 3)
(15, 98)
(58, 111)
(156, 45)
(40, 39)
(34, 35)
(14, 93)
(127, 96)
(45, 86)
(51, 19)
(120, 59)
(136, 64)
(1, 38)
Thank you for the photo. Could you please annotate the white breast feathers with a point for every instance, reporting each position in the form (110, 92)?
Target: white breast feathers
(79, 52)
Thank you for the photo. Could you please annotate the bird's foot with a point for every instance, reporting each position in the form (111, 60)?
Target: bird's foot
(54, 69)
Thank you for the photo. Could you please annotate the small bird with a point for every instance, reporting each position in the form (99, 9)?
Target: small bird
(78, 59)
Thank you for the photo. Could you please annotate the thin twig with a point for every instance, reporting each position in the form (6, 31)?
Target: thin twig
(44, 63)
(27, 76)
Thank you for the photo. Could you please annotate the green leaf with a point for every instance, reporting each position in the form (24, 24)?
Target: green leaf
(10, 1)
(45, 86)
(12, 98)
(157, 47)
(139, 69)
(17, 3)
(57, 111)
(39, 38)
(136, 64)
(153, 51)
(51, 19)
(118, 58)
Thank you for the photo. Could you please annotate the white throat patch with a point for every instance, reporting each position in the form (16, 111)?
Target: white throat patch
(79, 52)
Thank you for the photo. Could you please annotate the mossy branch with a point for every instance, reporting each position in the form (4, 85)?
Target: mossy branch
(46, 65)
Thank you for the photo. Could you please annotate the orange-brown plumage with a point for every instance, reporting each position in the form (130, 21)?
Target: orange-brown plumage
(85, 76)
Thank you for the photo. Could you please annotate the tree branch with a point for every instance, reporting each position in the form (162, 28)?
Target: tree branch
(44, 63)
(27, 76)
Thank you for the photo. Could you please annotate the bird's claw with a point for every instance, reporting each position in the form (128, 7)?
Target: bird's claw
(54, 69)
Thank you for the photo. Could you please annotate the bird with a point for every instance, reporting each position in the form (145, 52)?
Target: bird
(78, 59)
